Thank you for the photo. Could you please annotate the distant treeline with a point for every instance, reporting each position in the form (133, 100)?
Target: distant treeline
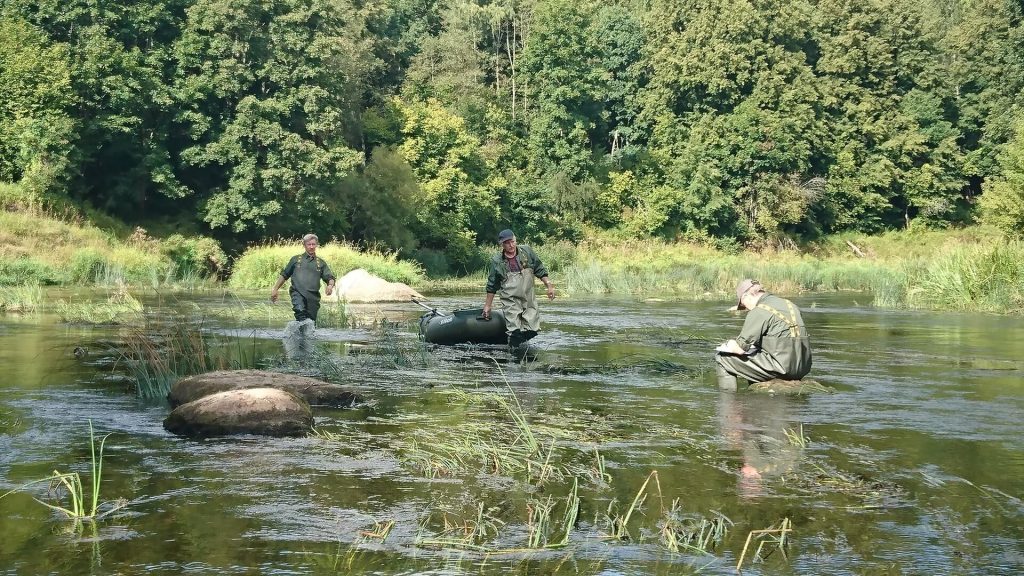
(426, 126)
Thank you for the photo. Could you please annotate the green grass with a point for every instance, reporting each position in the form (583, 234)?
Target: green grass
(40, 245)
(119, 308)
(259, 267)
(972, 269)
(21, 299)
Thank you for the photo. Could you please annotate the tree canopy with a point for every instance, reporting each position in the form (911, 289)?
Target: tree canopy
(425, 127)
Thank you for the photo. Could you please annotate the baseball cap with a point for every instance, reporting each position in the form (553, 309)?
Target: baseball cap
(505, 234)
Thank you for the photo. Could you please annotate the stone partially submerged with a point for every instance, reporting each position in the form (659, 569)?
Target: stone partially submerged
(361, 286)
(262, 411)
(795, 387)
(313, 391)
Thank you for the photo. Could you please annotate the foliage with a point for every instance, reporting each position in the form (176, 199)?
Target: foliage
(425, 127)
(259, 266)
(1002, 204)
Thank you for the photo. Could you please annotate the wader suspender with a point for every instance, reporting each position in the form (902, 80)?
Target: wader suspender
(319, 263)
(794, 328)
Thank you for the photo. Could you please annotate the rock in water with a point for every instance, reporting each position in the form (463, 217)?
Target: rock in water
(313, 391)
(263, 411)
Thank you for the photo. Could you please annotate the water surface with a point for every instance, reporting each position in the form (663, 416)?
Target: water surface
(914, 465)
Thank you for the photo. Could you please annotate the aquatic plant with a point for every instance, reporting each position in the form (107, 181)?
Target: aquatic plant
(539, 525)
(81, 505)
(120, 307)
(618, 524)
(693, 533)
(163, 351)
(21, 299)
(776, 537)
(796, 438)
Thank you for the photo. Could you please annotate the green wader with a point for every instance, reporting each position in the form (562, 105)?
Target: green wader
(784, 350)
(522, 319)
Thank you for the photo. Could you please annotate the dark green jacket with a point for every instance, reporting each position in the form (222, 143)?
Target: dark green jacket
(499, 267)
(306, 274)
(776, 327)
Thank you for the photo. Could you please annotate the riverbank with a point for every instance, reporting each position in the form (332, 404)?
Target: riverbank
(975, 269)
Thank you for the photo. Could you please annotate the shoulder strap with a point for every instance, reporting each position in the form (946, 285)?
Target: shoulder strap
(794, 328)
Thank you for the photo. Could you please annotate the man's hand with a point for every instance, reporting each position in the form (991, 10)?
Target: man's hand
(487, 312)
(551, 290)
(273, 295)
(330, 288)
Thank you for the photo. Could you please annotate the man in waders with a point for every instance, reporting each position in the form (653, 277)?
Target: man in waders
(511, 277)
(306, 271)
(772, 344)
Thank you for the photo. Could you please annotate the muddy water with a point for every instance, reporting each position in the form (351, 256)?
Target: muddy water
(913, 465)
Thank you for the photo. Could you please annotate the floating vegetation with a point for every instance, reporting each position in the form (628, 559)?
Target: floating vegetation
(827, 480)
(461, 533)
(81, 505)
(774, 537)
(119, 308)
(380, 531)
(694, 533)
(630, 363)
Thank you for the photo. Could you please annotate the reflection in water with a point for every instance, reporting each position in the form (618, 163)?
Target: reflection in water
(755, 425)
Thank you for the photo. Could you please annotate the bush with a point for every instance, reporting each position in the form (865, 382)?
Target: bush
(25, 271)
(86, 265)
(197, 255)
(259, 267)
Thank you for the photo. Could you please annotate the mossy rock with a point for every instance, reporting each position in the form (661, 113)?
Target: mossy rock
(261, 411)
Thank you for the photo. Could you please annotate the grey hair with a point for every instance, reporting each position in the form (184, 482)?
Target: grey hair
(309, 237)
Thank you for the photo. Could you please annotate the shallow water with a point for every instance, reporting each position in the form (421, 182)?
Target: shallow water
(914, 465)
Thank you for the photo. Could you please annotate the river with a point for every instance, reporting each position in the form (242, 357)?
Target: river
(913, 464)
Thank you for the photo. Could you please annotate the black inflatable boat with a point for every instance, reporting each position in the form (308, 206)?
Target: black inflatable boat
(463, 327)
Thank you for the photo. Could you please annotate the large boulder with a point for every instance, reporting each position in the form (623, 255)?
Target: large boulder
(313, 391)
(361, 286)
(264, 411)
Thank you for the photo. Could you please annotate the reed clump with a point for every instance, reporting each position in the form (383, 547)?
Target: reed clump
(21, 299)
(120, 307)
(159, 353)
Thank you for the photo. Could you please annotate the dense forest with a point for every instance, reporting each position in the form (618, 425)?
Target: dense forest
(426, 126)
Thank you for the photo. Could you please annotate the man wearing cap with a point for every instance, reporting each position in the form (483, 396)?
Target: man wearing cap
(772, 344)
(511, 277)
(306, 271)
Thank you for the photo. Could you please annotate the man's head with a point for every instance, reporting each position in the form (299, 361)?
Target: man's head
(507, 239)
(310, 242)
(748, 292)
